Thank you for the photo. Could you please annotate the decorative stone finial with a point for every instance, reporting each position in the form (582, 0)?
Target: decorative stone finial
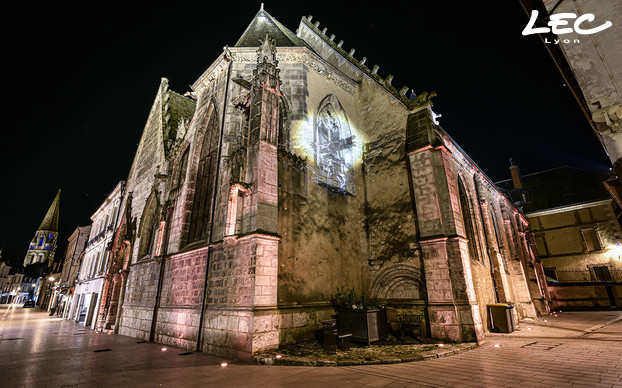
(310, 18)
(267, 51)
(403, 91)
(340, 43)
(375, 69)
(317, 24)
(351, 53)
(324, 30)
(388, 79)
(332, 37)
(363, 60)
(261, 8)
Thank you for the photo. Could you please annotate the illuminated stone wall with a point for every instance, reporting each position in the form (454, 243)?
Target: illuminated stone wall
(342, 196)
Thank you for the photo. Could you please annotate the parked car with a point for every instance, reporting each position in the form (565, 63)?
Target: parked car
(29, 303)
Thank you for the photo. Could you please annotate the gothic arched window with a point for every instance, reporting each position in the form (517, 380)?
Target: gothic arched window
(333, 146)
(146, 230)
(206, 174)
(467, 220)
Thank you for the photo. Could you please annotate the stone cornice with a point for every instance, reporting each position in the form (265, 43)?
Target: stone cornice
(562, 209)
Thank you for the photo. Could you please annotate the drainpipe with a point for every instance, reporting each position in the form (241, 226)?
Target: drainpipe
(213, 205)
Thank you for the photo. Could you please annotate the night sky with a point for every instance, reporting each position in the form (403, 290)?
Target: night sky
(80, 83)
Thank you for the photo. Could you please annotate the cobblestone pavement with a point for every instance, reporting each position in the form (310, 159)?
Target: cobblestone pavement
(572, 349)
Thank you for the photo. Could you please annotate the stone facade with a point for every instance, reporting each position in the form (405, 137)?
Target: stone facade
(90, 281)
(71, 267)
(576, 231)
(292, 169)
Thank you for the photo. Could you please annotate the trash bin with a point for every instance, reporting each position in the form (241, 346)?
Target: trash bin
(500, 315)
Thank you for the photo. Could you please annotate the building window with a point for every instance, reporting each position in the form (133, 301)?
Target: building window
(206, 174)
(551, 272)
(333, 146)
(592, 242)
(467, 221)
(183, 167)
(147, 225)
(541, 246)
(601, 273)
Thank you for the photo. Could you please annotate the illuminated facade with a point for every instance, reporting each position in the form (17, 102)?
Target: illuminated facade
(292, 169)
(96, 259)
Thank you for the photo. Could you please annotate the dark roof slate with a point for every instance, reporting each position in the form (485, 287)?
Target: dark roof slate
(263, 23)
(50, 221)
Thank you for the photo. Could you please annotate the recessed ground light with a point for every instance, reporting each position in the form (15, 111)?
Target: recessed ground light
(163, 349)
(224, 364)
(278, 356)
(441, 345)
(545, 320)
(529, 328)
(496, 345)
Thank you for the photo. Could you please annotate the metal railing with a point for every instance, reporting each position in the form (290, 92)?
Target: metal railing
(578, 275)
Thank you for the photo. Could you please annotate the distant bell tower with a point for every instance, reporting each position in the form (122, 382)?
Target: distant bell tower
(43, 245)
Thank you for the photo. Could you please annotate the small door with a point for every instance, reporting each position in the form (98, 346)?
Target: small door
(83, 308)
(91, 312)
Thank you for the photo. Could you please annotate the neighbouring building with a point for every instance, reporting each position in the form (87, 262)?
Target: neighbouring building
(591, 64)
(18, 289)
(4, 281)
(291, 169)
(42, 248)
(71, 266)
(90, 282)
(576, 225)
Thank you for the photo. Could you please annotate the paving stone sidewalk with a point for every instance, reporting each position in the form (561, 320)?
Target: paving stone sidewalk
(576, 349)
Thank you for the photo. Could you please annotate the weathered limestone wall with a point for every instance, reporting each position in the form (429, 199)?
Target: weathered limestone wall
(320, 247)
(561, 244)
(241, 314)
(389, 245)
(180, 303)
(569, 297)
(139, 300)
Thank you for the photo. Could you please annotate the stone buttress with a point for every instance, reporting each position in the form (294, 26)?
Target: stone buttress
(452, 307)
(242, 316)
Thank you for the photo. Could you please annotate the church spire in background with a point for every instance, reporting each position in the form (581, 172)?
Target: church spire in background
(42, 248)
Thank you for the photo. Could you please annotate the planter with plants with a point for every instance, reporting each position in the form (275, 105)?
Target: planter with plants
(366, 321)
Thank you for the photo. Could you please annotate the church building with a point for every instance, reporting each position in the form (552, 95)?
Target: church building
(292, 169)
(42, 248)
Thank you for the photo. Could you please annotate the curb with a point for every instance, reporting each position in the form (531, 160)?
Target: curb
(265, 359)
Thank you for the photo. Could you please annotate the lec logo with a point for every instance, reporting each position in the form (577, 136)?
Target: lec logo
(558, 20)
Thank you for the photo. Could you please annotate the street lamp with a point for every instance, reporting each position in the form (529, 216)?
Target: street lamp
(51, 278)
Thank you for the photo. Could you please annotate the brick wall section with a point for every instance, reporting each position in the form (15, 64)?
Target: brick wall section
(184, 275)
(139, 300)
